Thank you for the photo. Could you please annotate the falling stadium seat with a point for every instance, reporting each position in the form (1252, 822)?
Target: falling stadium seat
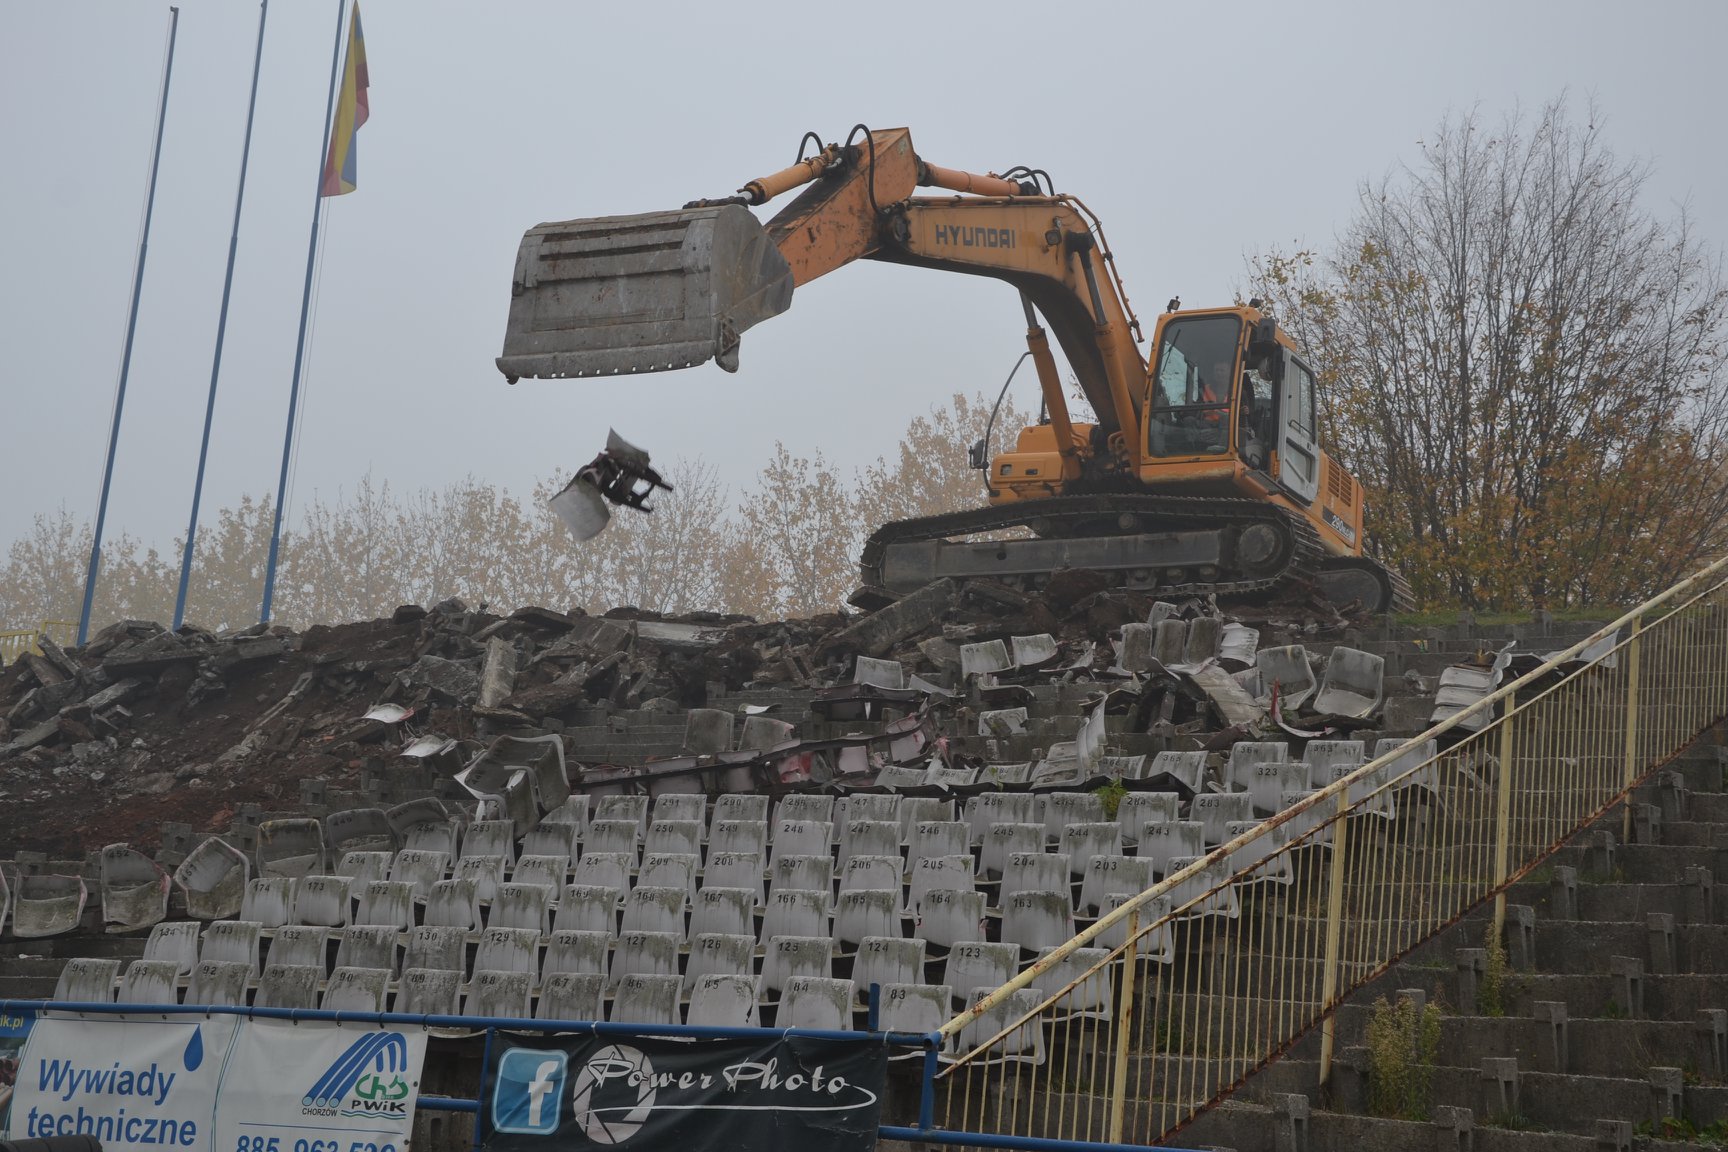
(212, 879)
(1354, 683)
(1287, 670)
(290, 847)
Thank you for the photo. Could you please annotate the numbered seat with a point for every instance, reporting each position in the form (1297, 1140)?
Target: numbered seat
(1036, 920)
(175, 940)
(1160, 842)
(1034, 872)
(552, 871)
(490, 838)
(869, 838)
(428, 992)
(454, 904)
(1108, 875)
(368, 946)
(815, 1002)
(947, 918)
(916, 810)
(631, 808)
(862, 914)
(290, 847)
(1238, 767)
(1213, 810)
(1060, 809)
(680, 806)
(801, 837)
(212, 879)
(1286, 672)
(420, 868)
(740, 806)
(644, 954)
(85, 981)
(989, 808)
(1354, 683)
(508, 950)
(232, 941)
(1187, 770)
(887, 960)
(1024, 1045)
(588, 908)
(736, 870)
(386, 902)
(946, 873)
(522, 906)
(324, 901)
(1139, 808)
(499, 994)
(605, 869)
(1081, 842)
(288, 986)
(721, 953)
(913, 1007)
(1004, 840)
(425, 831)
(738, 836)
(301, 946)
(359, 829)
(613, 837)
(872, 806)
(573, 996)
(269, 901)
(675, 836)
(568, 951)
(795, 912)
(979, 965)
(219, 983)
(723, 1000)
(726, 910)
(1268, 782)
(150, 982)
(670, 870)
(1329, 760)
(789, 956)
(871, 874)
(654, 910)
(549, 838)
(362, 866)
(1156, 941)
(1415, 766)
(807, 873)
(439, 948)
(356, 990)
(936, 838)
(808, 806)
(643, 998)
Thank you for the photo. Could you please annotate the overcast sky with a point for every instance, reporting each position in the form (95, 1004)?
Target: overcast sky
(1199, 133)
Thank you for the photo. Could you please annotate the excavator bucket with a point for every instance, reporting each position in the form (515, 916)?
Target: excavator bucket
(644, 293)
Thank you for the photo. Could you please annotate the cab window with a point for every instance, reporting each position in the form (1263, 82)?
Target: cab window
(1192, 384)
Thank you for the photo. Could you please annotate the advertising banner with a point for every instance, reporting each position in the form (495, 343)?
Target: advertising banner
(315, 1086)
(792, 1093)
(135, 1085)
(14, 1030)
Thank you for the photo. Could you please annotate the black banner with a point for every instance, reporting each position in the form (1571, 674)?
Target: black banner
(658, 1093)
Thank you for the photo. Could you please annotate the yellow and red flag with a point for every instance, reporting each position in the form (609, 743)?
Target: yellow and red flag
(351, 112)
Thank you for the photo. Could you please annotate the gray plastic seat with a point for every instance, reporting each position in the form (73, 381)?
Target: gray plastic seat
(866, 913)
(1081, 842)
(916, 810)
(871, 874)
(806, 806)
(47, 905)
(1245, 755)
(1414, 767)
(552, 871)
(808, 873)
(1060, 809)
(679, 806)
(643, 998)
(428, 992)
(1034, 872)
(150, 982)
(361, 867)
(1108, 875)
(356, 990)
(487, 872)
(721, 953)
(291, 847)
(605, 869)
(368, 946)
(1139, 808)
(386, 902)
(1186, 768)
(677, 836)
(800, 837)
(438, 948)
(454, 904)
(670, 870)
(133, 887)
(269, 901)
(727, 910)
(738, 836)
(1023, 1045)
(721, 1000)
(648, 909)
(1213, 810)
(288, 986)
(1037, 920)
(212, 879)
(522, 906)
(576, 952)
(588, 908)
(175, 940)
(509, 950)
(1157, 943)
(869, 838)
(613, 837)
(644, 954)
(632, 808)
(735, 870)
(980, 965)
(914, 1007)
(499, 994)
(739, 806)
(789, 956)
(300, 945)
(888, 960)
(85, 981)
(232, 941)
(816, 1002)
(219, 983)
(795, 912)
(1286, 669)
(1004, 840)
(1160, 842)
(948, 918)
(422, 824)
(873, 806)
(573, 996)
(490, 838)
(932, 873)
(934, 838)
(420, 868)
(1268, 782)
(1354, 684)
(552, 839)
(989, 808)
(322, 900)
(359, 830)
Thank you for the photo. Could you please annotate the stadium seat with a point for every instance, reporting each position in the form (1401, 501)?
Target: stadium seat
(423, 825)
(359, 830)
(679, 836)
(873, 806)
(727, 910)
(989, 808)
(133, 887)
(861, 914)
(808, 873)
(1034, 872)
(670, 870)
(576, 952)
(948, 918)
(800, 837)
(1036, 920)
(368, 946)
(815, 1002)
(47, 905)
(322, 901)
(1287, 670)
(1187, 769)
(1060, 809)
(150, 982)
(1328, 760)
(522, 906)
(789, 956)
(175, 940)
(1023, 1045)
(1138, 808)
(916, 810)
(735, 870)
(1268, 782)
(631, 808)
(301, 946)
(290, 847)
(1213, 810)
(738, 836)
(588, 908)
(487, 872)
(649, 909)
(232, 941)
(490, 838)
(795, 912)
(980, 965)
(573, 812)
(808, 806)
(1161, 841)
(574, 996)
(86, 981)
(644, 954)
(552, 871)
(420, 868)
(428, 992)
(723, 1000)
(1354, 684)
(212, 879)
(871, 874)
(454, 904)
(288, 986)
(946, 873)
(1004, 840)
(1081, 842)
(219, 983)
(935, 838)
(438, 948)
(387, 902)
(721, 953)
(913, 1007)
(509, 950)
(269, 901)
(356, 990)
(680, 806)
(888, 960)
(1108, 875)
(605, 869)
(869, 838)
(647, 998)
(499, 994)
(1157, 943)
(1088, 996)
(740, 806)
(1414, 767)
(556, 840)
(361, 867)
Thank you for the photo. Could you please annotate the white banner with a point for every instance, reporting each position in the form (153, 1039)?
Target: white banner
(135, 1085)
(315, 1086)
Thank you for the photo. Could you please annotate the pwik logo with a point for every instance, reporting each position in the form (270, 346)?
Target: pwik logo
(529, 1091)
(366, 1080)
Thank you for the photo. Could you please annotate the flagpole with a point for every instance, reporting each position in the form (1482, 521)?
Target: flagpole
(131, 329)
(221, 329)
(300, 340)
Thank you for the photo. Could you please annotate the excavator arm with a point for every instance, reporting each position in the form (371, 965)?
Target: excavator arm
(673, 289)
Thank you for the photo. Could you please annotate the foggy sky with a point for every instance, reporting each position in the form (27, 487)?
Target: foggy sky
(1198, 133)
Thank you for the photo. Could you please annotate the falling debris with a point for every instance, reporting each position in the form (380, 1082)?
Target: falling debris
(619, 475)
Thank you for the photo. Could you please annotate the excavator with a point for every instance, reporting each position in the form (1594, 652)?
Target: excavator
(1201, 472)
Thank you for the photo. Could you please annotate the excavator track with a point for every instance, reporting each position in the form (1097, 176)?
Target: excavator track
(1300, 556)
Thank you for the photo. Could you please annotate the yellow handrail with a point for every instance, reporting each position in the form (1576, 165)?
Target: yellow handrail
(1256, 942)
(15, 643)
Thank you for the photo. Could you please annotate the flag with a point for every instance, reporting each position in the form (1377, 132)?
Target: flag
(350, 114)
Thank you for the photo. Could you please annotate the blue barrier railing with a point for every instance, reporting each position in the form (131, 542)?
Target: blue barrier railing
(929, 1043)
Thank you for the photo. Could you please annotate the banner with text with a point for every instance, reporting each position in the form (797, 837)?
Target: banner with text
(135, 1085)
(789, 1092)
(315, 1086)
(14, 1030)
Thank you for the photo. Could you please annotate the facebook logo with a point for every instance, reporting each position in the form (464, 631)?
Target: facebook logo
(526, 1095)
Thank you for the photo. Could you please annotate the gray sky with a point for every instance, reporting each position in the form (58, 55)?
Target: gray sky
(1197, 132)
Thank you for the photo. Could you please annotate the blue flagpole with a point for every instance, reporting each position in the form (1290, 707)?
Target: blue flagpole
(131, 329)
(300, 340)
(221, 330)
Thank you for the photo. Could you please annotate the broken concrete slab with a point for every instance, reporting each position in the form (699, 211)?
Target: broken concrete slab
(498, 673)
(876, 633)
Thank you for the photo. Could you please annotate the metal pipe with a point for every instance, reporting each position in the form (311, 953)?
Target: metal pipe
(131, 329)
(953, 179)
(765, 188)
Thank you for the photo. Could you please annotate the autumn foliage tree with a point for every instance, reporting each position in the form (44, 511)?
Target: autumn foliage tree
(1523, 366)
